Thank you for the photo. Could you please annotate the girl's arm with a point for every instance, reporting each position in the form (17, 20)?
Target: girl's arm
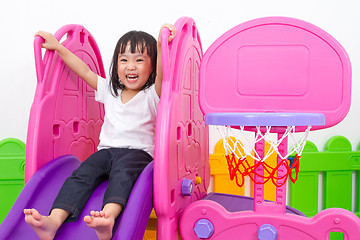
(70, 59)
(159, 73)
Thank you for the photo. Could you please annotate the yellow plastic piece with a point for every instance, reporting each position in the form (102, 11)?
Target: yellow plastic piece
(197, 180)
(150, 231)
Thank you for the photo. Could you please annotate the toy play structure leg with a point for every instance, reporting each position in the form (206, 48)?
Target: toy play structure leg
(259, 204)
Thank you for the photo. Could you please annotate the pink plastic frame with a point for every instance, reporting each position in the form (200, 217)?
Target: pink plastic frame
(75, 126)
(181, 150)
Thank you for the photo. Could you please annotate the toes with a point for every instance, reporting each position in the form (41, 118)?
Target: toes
(96, 213)
(87, 219)
(99, 214)
(33, 212)
(104, 214)
(28, 211)
(36, 214)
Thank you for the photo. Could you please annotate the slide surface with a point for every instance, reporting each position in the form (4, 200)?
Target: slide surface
(42, 189)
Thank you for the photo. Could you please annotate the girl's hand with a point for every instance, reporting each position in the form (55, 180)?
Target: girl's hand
(71, 60)
(172, 30)
(159, 72)
(51, 43)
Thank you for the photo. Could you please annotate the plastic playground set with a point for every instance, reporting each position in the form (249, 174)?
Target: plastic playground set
(265, 84)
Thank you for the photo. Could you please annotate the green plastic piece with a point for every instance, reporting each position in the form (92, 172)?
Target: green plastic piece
(12, 165)
(336, 236)
(335, 165)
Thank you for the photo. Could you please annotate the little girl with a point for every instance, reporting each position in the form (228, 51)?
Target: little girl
(126, 145)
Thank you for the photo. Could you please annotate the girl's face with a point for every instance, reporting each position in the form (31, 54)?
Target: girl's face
(134, 69)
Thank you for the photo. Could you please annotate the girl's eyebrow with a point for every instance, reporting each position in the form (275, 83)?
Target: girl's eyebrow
(133, 54)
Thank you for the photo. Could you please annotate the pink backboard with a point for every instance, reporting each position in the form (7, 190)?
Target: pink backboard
(278, 65)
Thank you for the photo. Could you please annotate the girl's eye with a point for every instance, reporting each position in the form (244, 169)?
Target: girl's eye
(139, 60)
(123, 60)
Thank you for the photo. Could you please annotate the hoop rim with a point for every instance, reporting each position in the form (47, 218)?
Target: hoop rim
(265, 119)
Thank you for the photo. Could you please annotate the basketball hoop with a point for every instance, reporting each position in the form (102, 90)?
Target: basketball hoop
(247, 155)
(243, 159)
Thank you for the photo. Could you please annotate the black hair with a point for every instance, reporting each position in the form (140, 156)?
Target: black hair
(139, 41)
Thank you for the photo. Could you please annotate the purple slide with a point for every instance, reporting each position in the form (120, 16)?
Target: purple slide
(42, 188)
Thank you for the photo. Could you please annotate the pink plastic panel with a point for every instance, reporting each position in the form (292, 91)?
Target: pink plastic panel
(276, 64)
(181, 149)
(64, 117)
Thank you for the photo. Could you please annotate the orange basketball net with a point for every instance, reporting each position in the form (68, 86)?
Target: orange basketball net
(251, 160)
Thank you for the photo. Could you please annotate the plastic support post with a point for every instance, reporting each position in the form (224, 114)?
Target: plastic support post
(203, 228)
(186, 187)
(267, 232)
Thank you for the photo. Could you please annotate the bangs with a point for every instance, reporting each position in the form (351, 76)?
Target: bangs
(138, 42)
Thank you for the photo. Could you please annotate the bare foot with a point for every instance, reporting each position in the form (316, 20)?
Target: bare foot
(102, 223)
(44, 226)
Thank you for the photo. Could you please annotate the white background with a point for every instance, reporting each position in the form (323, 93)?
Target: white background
(109, 20)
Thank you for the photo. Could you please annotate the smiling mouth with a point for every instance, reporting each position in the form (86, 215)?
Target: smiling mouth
(132, 78)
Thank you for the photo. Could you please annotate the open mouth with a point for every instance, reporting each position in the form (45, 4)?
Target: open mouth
(132, 78)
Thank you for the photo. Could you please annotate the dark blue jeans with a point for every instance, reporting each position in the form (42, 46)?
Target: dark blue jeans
(121, 166)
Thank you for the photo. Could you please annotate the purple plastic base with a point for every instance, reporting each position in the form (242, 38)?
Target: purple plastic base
(42, 188)
(235, 203)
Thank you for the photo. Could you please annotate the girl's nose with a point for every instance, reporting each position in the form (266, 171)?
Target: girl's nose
(131, 66)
